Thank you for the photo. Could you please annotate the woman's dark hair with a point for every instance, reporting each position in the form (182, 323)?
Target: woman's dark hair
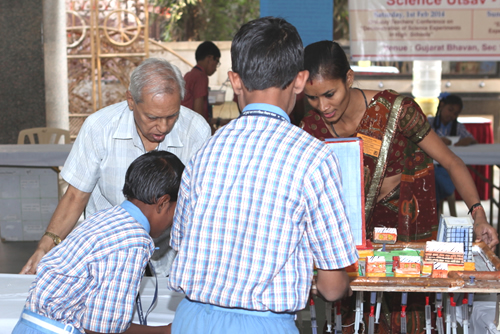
(153, 175)
(267, 52)
(448, 99)
(326, 59)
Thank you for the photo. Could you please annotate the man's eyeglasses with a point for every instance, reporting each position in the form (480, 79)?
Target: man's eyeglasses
(217, 60)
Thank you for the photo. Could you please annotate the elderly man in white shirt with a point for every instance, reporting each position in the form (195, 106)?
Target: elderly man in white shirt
(150, 119)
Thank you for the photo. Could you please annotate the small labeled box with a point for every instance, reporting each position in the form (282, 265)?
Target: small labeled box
(407, 266)
(440, 270)
(385, 235)
(375, 266)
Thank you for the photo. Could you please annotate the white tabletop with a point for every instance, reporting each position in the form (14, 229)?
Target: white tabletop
(473, 120)
(478, 154)
(49, 155)
(38, 155)
(14, 291)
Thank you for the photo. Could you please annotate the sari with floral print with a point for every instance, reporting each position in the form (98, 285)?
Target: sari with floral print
(391, 128)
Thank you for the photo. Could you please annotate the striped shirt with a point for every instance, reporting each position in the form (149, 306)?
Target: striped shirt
(258, 204)
(90, 280)
(107, 144)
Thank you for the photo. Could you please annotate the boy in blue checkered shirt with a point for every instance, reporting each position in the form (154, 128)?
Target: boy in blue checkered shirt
(259, 203)
(88, 283)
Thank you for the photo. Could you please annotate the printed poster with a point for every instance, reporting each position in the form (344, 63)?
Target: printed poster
(406, 30)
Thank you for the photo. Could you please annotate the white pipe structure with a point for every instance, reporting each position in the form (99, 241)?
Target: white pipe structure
(55, 64)
(427, 84)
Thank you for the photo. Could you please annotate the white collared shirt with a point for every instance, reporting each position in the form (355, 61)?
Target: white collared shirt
(107, 144)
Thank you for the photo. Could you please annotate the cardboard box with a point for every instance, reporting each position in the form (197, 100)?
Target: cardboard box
(28, 198)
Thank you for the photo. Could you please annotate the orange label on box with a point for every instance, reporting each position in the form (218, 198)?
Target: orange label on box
(371, 146)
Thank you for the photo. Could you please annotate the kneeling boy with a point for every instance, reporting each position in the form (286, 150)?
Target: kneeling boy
(88, 283)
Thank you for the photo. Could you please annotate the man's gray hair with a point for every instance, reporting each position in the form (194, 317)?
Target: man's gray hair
(155, 76)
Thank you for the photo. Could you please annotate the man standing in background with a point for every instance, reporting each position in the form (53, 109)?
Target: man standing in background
(207, 60)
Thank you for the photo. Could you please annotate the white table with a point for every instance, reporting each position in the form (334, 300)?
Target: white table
(478, 154)
(14, 291)
(37, 159)
(483, 154)
(38, 155)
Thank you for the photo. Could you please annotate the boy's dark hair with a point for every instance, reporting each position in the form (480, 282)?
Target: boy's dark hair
(206, 49)
(267, 52)
(326, 59)
(448, 99)
(153, 175)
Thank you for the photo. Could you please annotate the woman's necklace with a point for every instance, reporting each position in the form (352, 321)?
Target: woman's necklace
(333, 129)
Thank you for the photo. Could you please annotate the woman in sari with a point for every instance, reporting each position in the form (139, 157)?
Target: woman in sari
(398, 151)
(398, 148)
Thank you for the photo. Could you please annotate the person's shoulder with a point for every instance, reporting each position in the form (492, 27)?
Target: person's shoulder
(195, 74)
(189, 74)
(390, 96)
(105, 119)
(108, 114)
(190, 121)
(385, 94)
(311, 147)
(119, 220)
(393, 94)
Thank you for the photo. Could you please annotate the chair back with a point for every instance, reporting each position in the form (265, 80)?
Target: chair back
(43, 136)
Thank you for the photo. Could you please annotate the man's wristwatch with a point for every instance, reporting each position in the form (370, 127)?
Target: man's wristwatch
(54, 237)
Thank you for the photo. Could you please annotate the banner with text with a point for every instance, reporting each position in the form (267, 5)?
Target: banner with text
(425, 29)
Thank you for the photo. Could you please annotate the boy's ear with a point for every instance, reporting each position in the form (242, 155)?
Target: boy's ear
(300, 81)
(163, 203)
(236, 82)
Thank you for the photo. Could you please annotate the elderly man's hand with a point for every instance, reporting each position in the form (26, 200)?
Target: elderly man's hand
(30, 266)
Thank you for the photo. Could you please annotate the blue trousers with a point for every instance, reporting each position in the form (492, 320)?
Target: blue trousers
(444, 185)
(193, 317)
(32, 323)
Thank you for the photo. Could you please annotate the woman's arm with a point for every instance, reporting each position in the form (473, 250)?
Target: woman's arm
(462, 180)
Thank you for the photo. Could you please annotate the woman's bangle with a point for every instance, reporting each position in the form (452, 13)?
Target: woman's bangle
(473, 207)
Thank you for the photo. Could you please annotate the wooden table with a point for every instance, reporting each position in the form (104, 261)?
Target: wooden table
(485, 281)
